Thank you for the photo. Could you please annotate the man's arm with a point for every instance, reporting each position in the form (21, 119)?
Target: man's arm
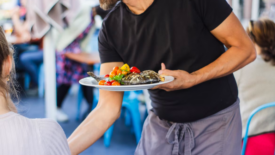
(100, 119)
(241, 52)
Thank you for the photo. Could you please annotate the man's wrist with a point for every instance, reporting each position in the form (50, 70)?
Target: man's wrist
(197, 78)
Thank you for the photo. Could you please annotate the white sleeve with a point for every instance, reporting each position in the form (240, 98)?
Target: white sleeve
(53, 137)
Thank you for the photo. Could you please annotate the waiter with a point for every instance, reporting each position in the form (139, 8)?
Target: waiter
(197, 113)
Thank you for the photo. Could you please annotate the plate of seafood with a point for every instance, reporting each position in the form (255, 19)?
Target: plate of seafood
(126, 79)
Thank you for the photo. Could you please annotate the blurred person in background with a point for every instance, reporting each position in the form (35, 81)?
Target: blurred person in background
(230, 2)
(197, 113)
(21, 27)
(72, 64)
(20, 135)
(69, 71)
(269, 4)
(269, 10)
(266, 9)
(256, 85)
(98, 11)
(27, 49)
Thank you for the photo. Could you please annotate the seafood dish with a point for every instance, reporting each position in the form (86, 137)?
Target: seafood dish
(128, 76)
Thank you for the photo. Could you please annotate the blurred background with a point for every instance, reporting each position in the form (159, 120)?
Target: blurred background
(37, 55)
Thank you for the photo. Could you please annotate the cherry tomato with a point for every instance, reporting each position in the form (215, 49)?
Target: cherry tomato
(118, 72)
(108, 83)
(107, 75)
(134, 70)
(101, 82)
(124, 72)
(112, 74)
(115, 83)
(115, 68)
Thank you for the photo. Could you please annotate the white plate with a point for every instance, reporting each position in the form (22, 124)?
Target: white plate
(91, 82)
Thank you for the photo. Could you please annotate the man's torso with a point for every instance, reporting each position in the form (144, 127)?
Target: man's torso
(172, 32)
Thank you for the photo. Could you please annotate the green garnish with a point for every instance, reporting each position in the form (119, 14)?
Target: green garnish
(117, 78)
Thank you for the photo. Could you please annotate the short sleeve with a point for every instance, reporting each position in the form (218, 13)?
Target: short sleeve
(106, 52)
(213, 12)
(53, 137)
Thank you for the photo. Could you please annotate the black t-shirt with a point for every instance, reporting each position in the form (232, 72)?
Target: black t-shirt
(176, 32)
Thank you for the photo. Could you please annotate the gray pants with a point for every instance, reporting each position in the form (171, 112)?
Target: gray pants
(218, 134)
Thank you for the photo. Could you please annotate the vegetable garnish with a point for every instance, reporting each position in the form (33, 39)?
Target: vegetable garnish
(118, 73)
(134, 70)
(108, 83)
(115, 83)
(117, 78)
(129, 76)
(116, 68)
(125, 67)
(112, 74)
(101, 82)
(124, 73)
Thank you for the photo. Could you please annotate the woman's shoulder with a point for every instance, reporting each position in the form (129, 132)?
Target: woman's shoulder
(43, 124)
(47, 125)
(46, 121)
(260, 62)
(257, 69)
(258, 66)
(19, 117)
(45, 133)
(39, 122)
(52, 133)
(12, 118)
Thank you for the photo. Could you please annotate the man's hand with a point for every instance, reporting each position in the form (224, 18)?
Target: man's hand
(183, 79)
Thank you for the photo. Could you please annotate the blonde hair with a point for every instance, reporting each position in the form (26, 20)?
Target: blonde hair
(7, 89)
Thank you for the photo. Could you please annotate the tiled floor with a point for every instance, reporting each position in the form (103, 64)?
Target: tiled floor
(123, 141)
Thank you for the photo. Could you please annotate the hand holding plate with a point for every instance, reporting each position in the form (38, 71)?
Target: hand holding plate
(183, 79)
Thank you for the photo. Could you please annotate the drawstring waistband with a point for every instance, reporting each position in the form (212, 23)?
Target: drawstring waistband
(181, 130)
